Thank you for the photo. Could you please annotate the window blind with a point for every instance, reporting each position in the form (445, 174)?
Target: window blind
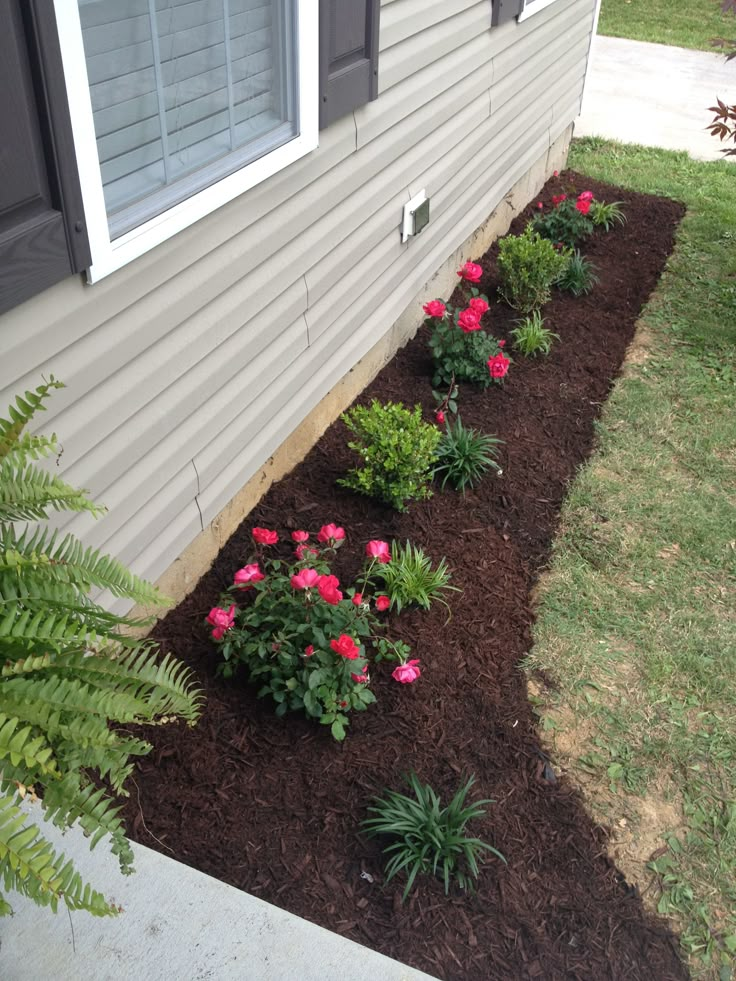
(183, 93)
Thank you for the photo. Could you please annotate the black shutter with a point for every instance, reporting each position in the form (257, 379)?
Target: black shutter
(503, 10)
(348, 56)
(42, 233)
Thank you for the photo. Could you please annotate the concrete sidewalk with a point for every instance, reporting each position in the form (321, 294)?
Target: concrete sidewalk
(178, 925)
(656, 95)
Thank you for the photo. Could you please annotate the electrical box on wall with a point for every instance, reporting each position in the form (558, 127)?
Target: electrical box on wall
(416, 215)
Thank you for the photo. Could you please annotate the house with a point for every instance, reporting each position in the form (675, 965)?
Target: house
(202, 204)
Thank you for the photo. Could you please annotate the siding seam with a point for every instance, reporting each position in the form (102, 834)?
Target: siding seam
(196, 496)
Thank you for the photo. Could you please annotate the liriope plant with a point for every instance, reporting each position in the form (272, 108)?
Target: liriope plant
(70, 676)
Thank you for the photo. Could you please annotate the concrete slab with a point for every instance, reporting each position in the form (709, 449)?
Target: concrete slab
(655, 94)
(177, 925)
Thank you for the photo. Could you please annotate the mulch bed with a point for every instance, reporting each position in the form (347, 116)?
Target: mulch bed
(274, 807)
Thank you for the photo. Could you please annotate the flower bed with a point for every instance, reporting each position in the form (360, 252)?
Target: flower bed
(274, 805)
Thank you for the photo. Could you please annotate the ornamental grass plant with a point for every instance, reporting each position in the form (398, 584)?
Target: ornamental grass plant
(429, 839)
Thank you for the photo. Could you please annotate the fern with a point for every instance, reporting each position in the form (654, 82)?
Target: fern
(70, 676)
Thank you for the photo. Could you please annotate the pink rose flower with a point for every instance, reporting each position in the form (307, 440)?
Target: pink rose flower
(247, 575)
(221, 620)
(468, 321)
(471, 272)
(305, 579)
(558, 199)
(498, 365)
(406, 673)
(357, 599)
(540, 205)
(439, 416)
(299, 536)
(556, 173)
(376, 549)
(328, 590)
(330, 533)
(435, 308)
(359, 679)
(265, 537)
(586, 196)
(301, 550)
(308, 651)
(479, 305)
(382, 603)
(502, 344)
(583, 206)
(346, 647)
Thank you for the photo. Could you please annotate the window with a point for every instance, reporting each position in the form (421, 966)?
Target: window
(533, 7)
(178, 106)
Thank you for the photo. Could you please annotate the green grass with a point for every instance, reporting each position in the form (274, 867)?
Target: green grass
(637, 622)
(685, 23)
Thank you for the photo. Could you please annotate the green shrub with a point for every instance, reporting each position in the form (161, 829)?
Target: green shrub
(429, 839)
(410, 578)
(529, 265)
(398, 450)
(607, 215)
(579, 277)
(70, 678)
(465, 455)
(531, 337)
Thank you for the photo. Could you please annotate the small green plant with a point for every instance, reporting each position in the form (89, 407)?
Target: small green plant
(579, 277)
(411, 578)
(531, 337)
(607, 215)
(529, 265)
(568, 221)
(303, 639)
(398, 450)
(462, 350)
(429, 839)
(465, 455)
(72, 679)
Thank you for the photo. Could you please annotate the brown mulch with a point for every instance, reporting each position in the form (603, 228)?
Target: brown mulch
(274, 807)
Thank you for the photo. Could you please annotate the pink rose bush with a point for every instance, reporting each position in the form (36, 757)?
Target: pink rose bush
(459, 341)
(301, 635)
(567, 223)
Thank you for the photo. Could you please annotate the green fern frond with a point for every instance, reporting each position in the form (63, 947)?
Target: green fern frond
(22, 746)
(64, 803)
(39, 552)
(30, 865)
(22, 412)
(167, 684)
(72, 696)
(28, 493)
(25, 631)
(28, 447)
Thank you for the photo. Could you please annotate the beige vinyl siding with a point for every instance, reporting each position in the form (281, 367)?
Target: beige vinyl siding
(187, 368)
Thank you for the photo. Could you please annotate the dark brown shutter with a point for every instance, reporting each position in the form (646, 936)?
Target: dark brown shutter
(348, 56)
(42, 233)
(504, 10)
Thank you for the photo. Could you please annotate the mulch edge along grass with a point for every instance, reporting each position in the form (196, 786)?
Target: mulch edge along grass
(636, 628)
(274, 806)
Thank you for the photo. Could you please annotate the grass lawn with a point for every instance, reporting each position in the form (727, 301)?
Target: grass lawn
(636, 635)
(686, 23)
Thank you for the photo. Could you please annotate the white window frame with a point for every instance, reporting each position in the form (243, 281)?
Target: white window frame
(533, 8)
(107, 255)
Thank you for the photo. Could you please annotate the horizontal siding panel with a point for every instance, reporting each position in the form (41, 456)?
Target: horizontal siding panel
(428, 46)
(183, 370)
(399, 20)
(150, 473)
